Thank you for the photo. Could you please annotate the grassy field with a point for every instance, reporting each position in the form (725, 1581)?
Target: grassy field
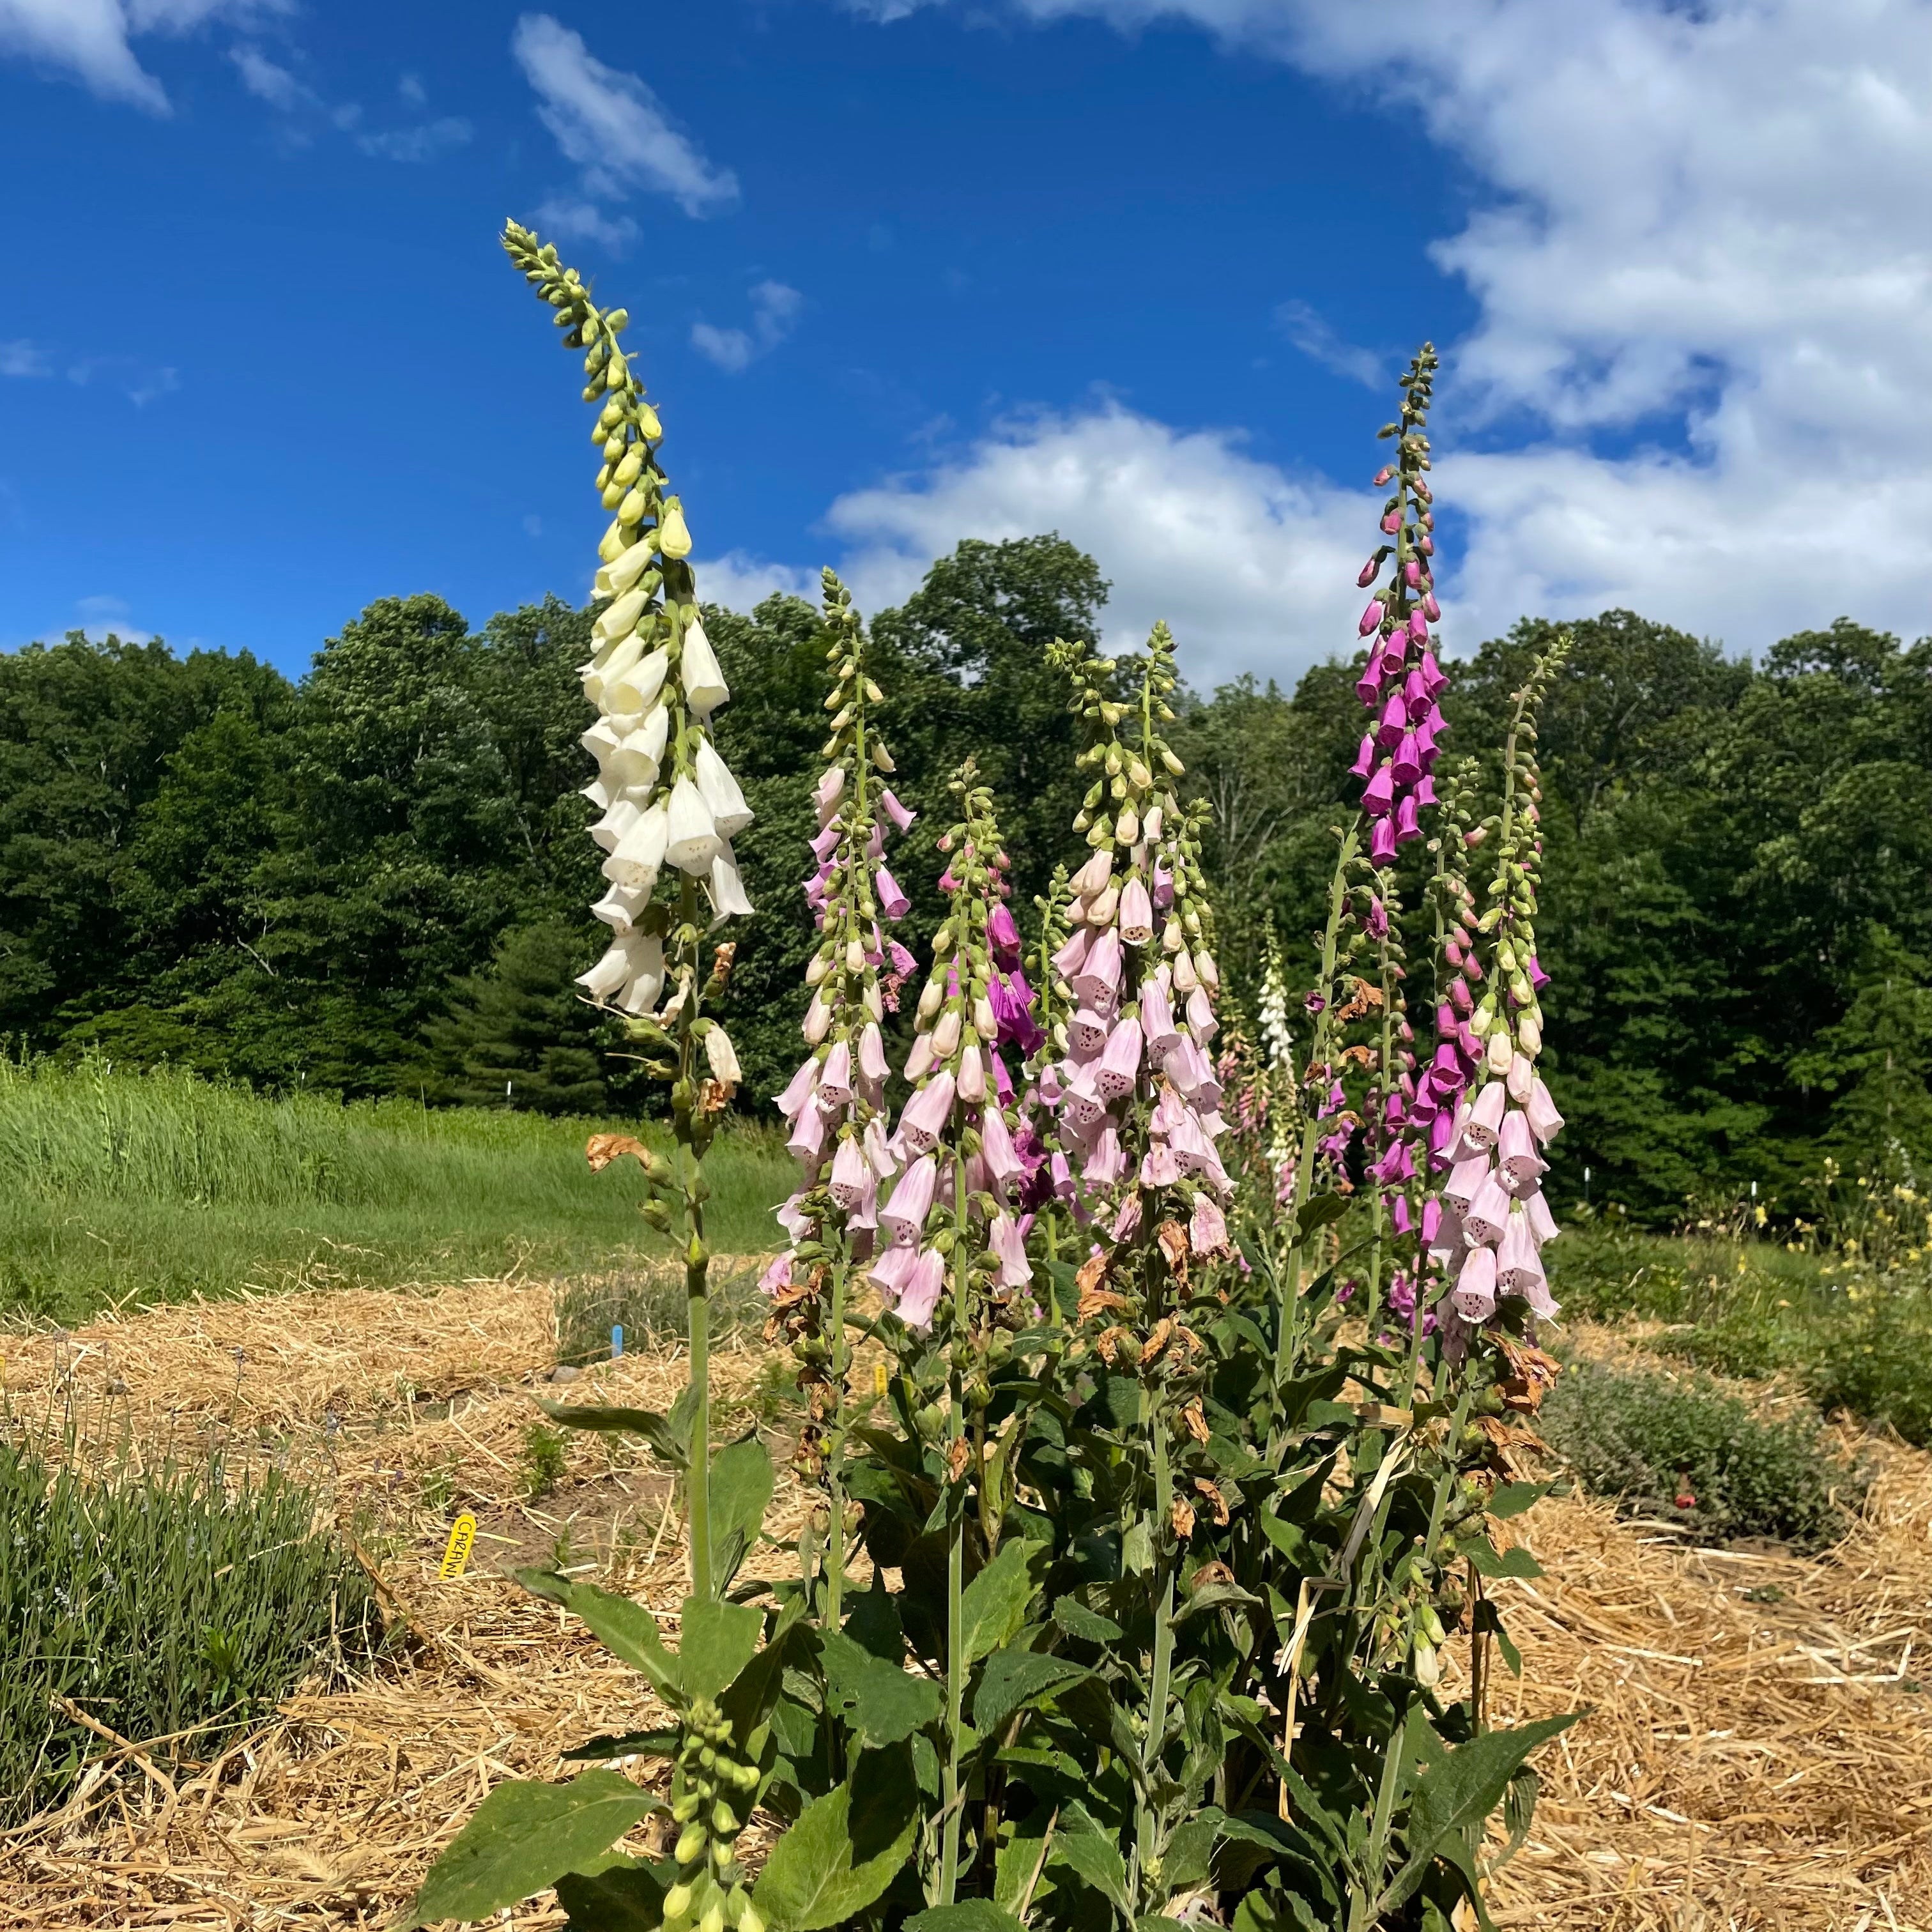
(123, 1188)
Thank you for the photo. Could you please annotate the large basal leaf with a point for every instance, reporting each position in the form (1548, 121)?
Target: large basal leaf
(1086, 1850)
(994, 1606)
(1460, 1790)
(524, 1838)
(1015, 1679)
(845, 1849)
(741, 1490)
(623, 1625)
(716, 1641)
(622, 1898)
(883, 1703)
(971, 1915)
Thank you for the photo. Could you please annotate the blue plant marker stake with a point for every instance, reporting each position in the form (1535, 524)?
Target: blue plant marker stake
(616, 1340)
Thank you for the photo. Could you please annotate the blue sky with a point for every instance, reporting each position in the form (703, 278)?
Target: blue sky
(903, 273)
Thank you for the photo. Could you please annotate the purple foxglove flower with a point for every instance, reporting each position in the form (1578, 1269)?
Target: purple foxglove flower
(971, 1084)
(1336, 1145)
(1398, 1212)
(834, 1084)
(1412, 571)
(1071, 955)
(1418, 627)
(799, 1089)
(947, 883)
(1466, 1181)
(1119, 1063)
(1369, 572)
(1485, 1116)
(1097, 984)
(828, 791)
(1406, 768)
(1106, 1160)
(1382, 841)
(945, 1033)
(1062, 1176)
(1376, 923)
(1461, 998)
(777, 1275)
(1368, 685)
(1003, 1081)
(927, 1113)
(1083, 1103)
(1415, 693)
(1392, 523)
(875, 847)
(923, 1288)
(905, 1214)
(1159, 1167)
(1371, 617)
(807, 1138)
(1206, 1229)
(1007, 1240)
(1518, 1159)
(1395, 656)
(1431, 609)
(1448, 1247)
(1406, 826)
(892, 902)
(1432, 673)
(1474, 1294)
(790, 1215)
(1402, 1294)
(1441, 1134)
(1093, 876)
(826, 843)
(1393, 722)
(1397, 1164)
(1134, 919)
(1427, 544)
(1169, 1110)
(1485, 1217)
(1394, 1114)
(1425, 791)
(1542, 1222)
(889, 803)
(1087, 1033)
(1003, 937)
(1163, 887)
(1445, 1026)
(1379, 795)
(862, 1223)
(1545, 1122)
(1431, 1221)
(1365, 758)
(902, 961)
(1538, 978)
(849, 1175)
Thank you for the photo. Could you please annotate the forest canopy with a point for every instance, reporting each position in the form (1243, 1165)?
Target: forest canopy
(373, 880)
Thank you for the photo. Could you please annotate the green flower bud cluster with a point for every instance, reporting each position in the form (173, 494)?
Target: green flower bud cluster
(711, 1795)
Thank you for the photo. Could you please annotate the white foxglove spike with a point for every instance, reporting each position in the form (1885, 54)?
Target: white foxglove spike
(641, 852)
(704, 686)
(726, 802)
(694, 841)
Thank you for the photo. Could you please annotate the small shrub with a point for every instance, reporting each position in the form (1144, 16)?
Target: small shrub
(544, 1459)
(167, 1603)
(1647, 1440)
(1875, 1358)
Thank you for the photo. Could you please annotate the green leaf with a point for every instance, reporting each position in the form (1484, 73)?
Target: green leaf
(524, 1838)
(994, 1603)
(1317, 1213)
(971, 1915)
(1486, 1561)
(1462, 1789)
(716, 1641)
(844, 1850)
(669, 1436)
(623, 1625)
(622, 1898)
(881, 1702)
(1212, 1597)
(1015, 1679)
(626, 1743)
(741, 1491)
(1487, 1617)
(1509, 1499)
(1096, 1858)
(1077, 1620)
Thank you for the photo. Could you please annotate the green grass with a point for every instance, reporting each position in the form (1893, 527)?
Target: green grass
(1667, 1449)
(163, 1604)
(125, 1188)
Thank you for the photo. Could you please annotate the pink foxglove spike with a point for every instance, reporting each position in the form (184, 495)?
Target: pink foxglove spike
(834, 1084)
(1485, 1116)
(1519, 1161)
(923, 1288)
(927, 1113)
(1488, 1214)
(1475, 1292)
(904, 1215)
(1119, 1063)
(849, 1175)
(1545, 1122)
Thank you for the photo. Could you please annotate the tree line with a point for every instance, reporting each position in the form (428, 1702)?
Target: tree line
(375, 879)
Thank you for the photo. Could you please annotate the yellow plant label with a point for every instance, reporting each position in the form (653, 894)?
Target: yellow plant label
(879, 1378)
(462, 1534)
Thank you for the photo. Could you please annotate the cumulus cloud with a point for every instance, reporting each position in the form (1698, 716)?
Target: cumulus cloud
(611, 125)
(90, 39)
(741, 582)
(1705, 291)
(775, 308)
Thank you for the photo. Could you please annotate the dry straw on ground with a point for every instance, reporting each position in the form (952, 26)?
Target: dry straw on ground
(1757, 1755)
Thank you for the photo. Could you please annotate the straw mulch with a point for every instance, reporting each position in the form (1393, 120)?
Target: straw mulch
(1750, 1761)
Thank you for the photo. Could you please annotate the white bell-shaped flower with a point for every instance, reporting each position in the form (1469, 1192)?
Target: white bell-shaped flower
(728, 889)
(600, 741)
(693, 840)
(618, 619)
(635, 760)
(729, 811)
(619, 906)
(641, 994)
(610, 829)
(704, 686)
(637, 689)
(616, 577)
(632, 954)
(640, 852)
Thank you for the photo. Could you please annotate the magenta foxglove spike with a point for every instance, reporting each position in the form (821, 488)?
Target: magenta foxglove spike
(1378, 794)
(900, 816)
(924, 1285)
(1365, 758)
(849, 1175)
(905, 1213)
(1371, 618)
(927, 1113)
(1475, 1291)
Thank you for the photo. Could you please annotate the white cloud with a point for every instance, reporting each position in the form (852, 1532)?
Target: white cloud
(266, 81)
(611, 125)
(411, 89)
(585, 221)
(21, 358)
(90, 38)
(1704, 275)
(104, 617)
(1253, 569)
(742, 582)
(775, 308)
(1310, 333)
(421, 143)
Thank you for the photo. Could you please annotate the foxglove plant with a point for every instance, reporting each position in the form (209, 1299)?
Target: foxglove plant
(1278, 1044)
(836, 1101)
(1401, 678)
(1494, 1219)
